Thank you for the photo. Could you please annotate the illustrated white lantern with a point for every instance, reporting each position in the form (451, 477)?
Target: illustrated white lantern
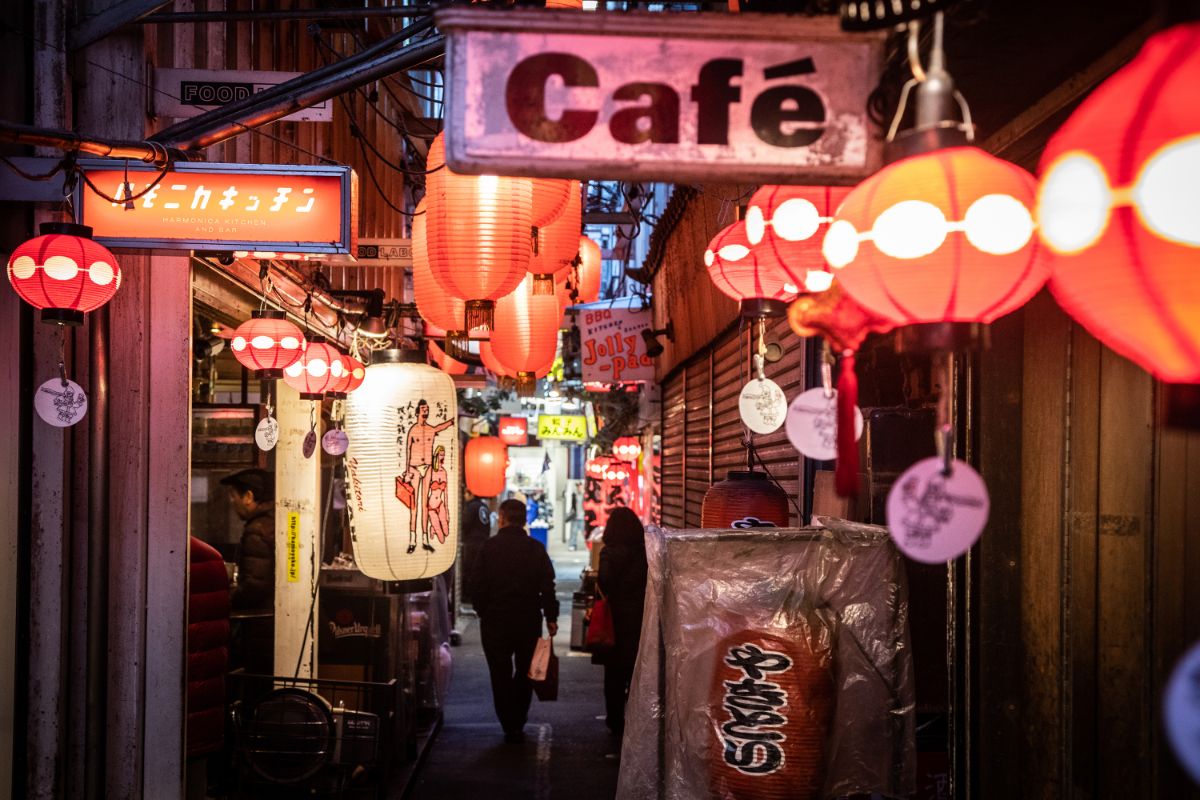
(402, 468)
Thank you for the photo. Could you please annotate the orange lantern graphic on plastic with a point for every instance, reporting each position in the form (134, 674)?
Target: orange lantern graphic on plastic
(485, 460)
(1118, 212)
(589, 271)
(64, 272)
(435, 305)
(945, 236)
(786, 226)
(526, 336)
(761, 289)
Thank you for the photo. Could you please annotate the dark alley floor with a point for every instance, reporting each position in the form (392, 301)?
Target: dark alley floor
(568, 752)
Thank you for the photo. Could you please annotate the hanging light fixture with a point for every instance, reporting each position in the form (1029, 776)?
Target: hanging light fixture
(735, 268)
(1117, 209)
(589, 271)
(267, 343)
(319, 370)
(64, 272)
(785, 226)
(627, 448)
(435, 305)
(525, 339)
(485, 461)
(477, 233)
(942, 239)
(402, 468)
(556, 243)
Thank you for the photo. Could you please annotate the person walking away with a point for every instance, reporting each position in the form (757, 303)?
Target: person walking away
(623, 581)
(207, 661)
(513, 589)
(476, 528)
(252, 494)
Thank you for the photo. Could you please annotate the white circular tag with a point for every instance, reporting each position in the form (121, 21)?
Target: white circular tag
(762, 405)
(812, 424)
(310, 444)
(1181, 711)
(267, 433)
(933, 517)
(335, 442)
(59, 404)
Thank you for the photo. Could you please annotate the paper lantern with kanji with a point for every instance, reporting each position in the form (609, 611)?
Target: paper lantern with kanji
(319, 370)
(590, 271)
(402, 468)
(945, 236)
(435, 305)
(477, 231)
(746, 499)
(525, 338)
(1119, 210)
(485, 460)
(735, 268)
(557, 243)
(64, 272)
(267, 343)
(785, 225)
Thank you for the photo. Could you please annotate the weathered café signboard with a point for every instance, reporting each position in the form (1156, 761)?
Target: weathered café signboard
(673, 97)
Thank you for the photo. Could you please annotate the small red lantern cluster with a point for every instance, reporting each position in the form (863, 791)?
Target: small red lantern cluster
(318, 371)
(64, 272)
(627, 448)
(486, 460)
(267, 343)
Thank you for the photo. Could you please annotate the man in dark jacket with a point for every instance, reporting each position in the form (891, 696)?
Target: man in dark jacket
(252, 494)
(476, 528)
(513, 588)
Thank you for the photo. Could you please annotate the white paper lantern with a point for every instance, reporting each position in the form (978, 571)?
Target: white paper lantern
(402, 468)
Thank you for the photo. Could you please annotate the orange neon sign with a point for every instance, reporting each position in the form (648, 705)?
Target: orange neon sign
(236, 207)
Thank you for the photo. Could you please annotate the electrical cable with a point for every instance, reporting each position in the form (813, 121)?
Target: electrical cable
(30, 177)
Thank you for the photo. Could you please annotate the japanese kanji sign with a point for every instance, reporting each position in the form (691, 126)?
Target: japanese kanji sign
(571, 428)
(613, 350)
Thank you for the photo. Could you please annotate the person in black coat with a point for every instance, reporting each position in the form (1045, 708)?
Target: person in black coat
(252, 495)
(476, 529)
(513, 589)
(623, 582)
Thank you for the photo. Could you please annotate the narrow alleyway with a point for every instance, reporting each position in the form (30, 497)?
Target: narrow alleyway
(568, 752)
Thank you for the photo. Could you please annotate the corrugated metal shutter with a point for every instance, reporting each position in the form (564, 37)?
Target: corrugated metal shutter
(672, 452)
(698, 438)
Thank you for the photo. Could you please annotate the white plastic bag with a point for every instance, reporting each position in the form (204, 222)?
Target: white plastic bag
(541, 660)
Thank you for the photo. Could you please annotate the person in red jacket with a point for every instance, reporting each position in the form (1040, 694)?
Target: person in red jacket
(208, 656)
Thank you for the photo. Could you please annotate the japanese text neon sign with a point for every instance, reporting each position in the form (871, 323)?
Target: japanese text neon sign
(224, 207)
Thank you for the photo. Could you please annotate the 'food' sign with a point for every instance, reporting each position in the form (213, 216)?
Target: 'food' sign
(645, 95)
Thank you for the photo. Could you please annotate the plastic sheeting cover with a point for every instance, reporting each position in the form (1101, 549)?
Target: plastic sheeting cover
(773, 663)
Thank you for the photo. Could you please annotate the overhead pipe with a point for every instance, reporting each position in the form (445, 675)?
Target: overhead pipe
(389, 12)
(377, 61)
(71, 142)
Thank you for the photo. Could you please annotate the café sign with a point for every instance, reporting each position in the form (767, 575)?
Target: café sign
(653, 96)
(224, 207)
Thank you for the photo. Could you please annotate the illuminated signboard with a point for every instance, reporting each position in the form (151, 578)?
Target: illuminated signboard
(613, 350)
(211, 206)
(514, 431)
(754, 98)
(571, 428)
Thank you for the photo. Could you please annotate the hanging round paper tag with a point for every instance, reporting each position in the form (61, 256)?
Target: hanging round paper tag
(266, 435)
(933, 517)
(60, 403)
(812, 424)
(335, 442)
(310, 444)
(1181, 711)
(762, 405)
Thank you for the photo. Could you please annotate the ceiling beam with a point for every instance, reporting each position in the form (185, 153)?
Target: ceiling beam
(96, 27)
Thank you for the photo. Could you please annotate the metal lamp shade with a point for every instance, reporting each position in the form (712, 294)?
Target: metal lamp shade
(402, 470)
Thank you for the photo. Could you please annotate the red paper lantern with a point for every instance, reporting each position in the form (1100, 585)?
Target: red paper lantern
(735, 268)
(446, 363)
(525, 338)
(491, 363)
(485, 460)
(550, 196)
(590, 271)
(945, 236)
(318, 371)
(1118, 211)
(557, 243)
(357, 372)
(64, 272)
(786, 225)
(627, 448)
(745, 500)
(267, 343)
(477, 231)
(435, 305)
(514, 431)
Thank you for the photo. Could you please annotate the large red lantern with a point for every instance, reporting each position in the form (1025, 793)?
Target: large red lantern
(589, 272)
(627, 448)
(267, 343)
(477, 231)
(550, 196)
(446, 363)
(491, 363)
(525, 339)
(485, 460)
(64, 272)
(786, 225)
(557, 243)
(1118, 210)
(318, 371)
(435, 305)
(945, 236)
(733, 265)
(356, 370)
(746, 499)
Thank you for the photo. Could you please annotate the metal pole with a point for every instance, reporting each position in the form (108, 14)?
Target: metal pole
(97, 589)
(169, 18)
(71, 142)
